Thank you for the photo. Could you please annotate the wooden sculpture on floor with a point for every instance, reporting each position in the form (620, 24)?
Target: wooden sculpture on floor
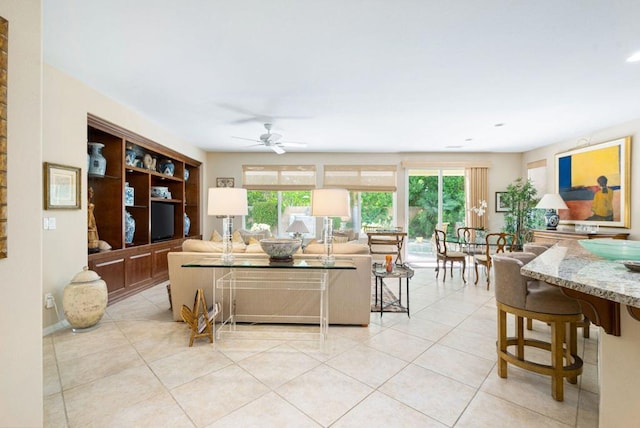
(200, 319)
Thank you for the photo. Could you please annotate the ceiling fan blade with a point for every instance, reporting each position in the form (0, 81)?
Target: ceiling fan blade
(279, 150)
(248, 139)
(292, 144)
(246, 120)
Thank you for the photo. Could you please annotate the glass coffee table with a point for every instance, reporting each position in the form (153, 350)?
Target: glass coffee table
(400, 272)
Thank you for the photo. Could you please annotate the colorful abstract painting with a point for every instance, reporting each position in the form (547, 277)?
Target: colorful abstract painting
(594, 183)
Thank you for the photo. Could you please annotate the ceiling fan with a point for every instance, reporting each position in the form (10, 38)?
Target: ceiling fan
(272, 141)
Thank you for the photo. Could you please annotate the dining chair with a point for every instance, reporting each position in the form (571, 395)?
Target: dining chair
(495, 243)
(444, 254)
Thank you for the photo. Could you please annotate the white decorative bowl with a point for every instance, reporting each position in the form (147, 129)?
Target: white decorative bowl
(160, 192)
(280, 249)
(613, 249)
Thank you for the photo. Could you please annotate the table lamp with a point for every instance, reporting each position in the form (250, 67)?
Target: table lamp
(329, 203)
(297, 228)
(227, 201)
(552, 202)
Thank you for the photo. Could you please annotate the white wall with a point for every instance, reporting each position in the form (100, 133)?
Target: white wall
(66, 104)
(631, 128)
(21, 272)
(505, 167)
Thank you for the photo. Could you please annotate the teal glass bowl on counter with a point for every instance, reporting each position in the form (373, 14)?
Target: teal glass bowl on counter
(613, 249)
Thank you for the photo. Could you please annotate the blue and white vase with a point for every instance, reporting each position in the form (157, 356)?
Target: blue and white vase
(97, 162)
(129, 227)
(186, 174)
(129, 195)
(130, 156)
(167, 167)
(187, 224)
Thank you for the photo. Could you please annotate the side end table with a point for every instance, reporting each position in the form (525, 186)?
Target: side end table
(399, 271)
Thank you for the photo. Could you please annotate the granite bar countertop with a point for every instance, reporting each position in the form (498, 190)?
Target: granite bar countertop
(567, 264)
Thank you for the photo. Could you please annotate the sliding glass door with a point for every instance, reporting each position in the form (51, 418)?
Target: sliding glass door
(436, 199)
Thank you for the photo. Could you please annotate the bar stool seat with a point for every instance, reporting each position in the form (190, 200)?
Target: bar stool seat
(516, 295)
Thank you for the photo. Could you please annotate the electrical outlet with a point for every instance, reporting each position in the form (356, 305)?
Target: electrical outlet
(49, 301)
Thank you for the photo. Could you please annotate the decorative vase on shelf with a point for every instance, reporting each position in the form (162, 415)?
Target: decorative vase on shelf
(187, 224)
(130, 156)
(85, 300)
(129, 227)
(186, 174)
(97, 162)
(167, 167)
(129, 195)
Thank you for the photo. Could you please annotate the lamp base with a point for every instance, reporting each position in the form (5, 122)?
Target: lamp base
(552, 219)
(328, 260)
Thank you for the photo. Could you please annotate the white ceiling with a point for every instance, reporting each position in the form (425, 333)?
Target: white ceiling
(358, 75)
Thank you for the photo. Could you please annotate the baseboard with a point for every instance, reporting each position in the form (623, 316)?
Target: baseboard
(55, 327)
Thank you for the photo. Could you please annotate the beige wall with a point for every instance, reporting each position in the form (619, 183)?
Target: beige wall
(66, 104)
(505, 167)
(21, 272)
(631, 128)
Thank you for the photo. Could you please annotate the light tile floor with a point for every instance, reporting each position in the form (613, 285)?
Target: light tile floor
(435, 369)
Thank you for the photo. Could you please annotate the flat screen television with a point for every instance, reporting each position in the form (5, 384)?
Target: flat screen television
(161, 221)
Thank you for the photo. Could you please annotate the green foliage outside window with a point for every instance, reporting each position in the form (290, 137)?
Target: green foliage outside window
(377, 208)
(263, 208)
(423, 202)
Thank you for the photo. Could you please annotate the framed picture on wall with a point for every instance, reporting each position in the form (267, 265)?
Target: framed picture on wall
(595, 184)
(500, 205)
(225, 182)
(61, 187)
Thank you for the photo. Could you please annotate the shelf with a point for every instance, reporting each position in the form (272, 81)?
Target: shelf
(164, 176)
(108, 177)
(131, 267)
(169, 201)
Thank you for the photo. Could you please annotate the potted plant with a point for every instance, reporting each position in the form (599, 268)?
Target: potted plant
(521, 217)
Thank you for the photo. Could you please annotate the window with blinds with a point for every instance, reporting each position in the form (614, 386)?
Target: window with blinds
(372, 178)
(279, 177)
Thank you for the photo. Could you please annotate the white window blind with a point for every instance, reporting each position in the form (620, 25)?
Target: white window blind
(279, 177)
(367, 178)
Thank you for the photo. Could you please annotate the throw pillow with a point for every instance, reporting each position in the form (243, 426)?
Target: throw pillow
(253, 240)
(237, 237)
(215, 236)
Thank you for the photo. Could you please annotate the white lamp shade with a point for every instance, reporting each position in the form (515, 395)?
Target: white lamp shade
(330, 202)
(227, 201)
(552, 201)
(298, 226)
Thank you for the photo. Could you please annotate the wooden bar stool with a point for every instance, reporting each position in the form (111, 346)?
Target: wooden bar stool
(545, 303)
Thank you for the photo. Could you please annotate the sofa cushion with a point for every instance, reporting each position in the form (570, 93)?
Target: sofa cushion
(347, 248)
(200, 246)
(216, 237)
(237, 237)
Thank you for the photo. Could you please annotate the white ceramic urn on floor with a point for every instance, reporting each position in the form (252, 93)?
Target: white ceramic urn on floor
(85, 299)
